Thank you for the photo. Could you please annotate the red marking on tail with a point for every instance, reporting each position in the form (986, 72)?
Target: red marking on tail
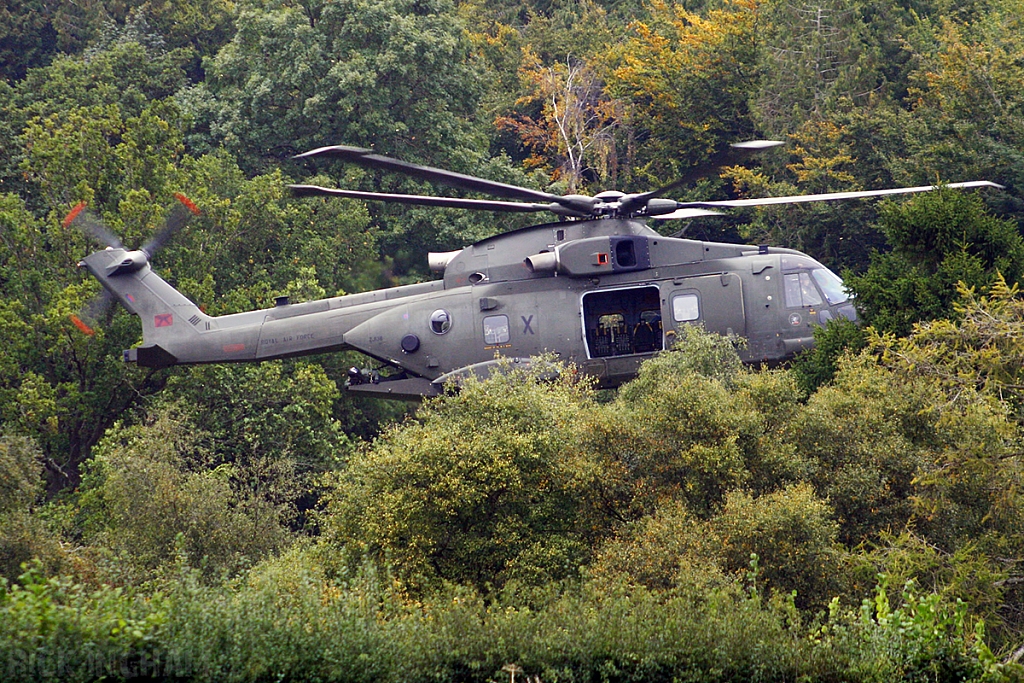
(188, 203)
(81, 325)
(73, 214)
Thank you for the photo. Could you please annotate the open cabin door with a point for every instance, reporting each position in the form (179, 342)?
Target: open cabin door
(622, 327)
(623, 322)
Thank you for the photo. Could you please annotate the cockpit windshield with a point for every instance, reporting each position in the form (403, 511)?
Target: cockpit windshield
(831, 285)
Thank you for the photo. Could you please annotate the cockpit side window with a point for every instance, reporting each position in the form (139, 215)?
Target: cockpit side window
(800, 290)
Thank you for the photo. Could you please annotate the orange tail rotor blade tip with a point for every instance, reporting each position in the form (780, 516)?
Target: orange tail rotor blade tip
(73, 214)
(81, 325)
(188, 203)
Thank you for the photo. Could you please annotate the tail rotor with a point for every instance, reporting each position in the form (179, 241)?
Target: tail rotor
(80, 217)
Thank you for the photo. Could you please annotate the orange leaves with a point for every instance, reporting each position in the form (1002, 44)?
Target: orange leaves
(571, 123)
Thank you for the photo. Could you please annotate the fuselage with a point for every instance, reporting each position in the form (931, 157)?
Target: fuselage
(603, 294)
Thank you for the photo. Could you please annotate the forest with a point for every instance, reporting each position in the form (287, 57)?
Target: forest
(857, 515)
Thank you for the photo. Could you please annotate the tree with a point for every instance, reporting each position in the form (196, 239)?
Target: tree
(482, 488)
(791, 531)
(154, 493)
(27, 38)
(58, 386)
(575, 131)
(250, 244)
(388, 74)
(23, 535)
(684, 79)
(938, 240)
(967, 109)
(127, 74)
(818, 53)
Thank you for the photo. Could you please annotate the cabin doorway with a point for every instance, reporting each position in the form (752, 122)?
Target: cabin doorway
(623, 322)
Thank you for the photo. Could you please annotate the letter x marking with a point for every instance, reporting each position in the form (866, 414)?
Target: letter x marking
(526, 324)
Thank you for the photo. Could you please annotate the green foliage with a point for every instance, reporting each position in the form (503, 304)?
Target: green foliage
(27, 38)
(969, 493)
(390, 74)
(512, 479)
(20, 473)
(967, 575)
(817, 367)
(683, 78)
(865, 435)
(695, 423)
(130, 74)
(153, 494)
(680, 432)
(903, 459)
(817, 58)
(660, 551)
(251, 243)
(69, 389)
(272, 410)
(790, 531)
(482, 487)
(938, 240)
(697, 352)
(286, 621)
(53, 629)
(23, 536)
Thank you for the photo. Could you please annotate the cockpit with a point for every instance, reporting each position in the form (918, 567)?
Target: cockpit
(808, 284)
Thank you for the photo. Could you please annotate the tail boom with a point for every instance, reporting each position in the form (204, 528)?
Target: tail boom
(175, 331)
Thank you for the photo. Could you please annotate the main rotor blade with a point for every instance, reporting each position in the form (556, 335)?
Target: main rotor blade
(800, 199)
(366, 157)
(729, 156)
(423, 200)
(679, 214)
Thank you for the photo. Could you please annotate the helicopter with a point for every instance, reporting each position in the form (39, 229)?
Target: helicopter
(597, 288)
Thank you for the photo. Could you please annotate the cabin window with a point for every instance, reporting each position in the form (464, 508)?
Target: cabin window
(621, 322)
(685, 308)
(800, 290)
(496, 329)
(440, 321)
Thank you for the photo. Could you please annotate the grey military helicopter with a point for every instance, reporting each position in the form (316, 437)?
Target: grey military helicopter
(597, 288)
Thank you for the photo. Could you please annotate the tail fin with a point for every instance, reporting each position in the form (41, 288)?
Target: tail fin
(170, 322)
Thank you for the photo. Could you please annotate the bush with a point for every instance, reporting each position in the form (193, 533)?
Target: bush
(149, 499)
(23, 535)
(790, 531)
(483, 487)
(287, 621)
